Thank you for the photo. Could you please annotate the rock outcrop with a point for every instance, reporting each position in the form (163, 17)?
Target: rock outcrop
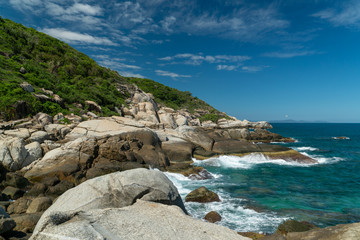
(142, 220)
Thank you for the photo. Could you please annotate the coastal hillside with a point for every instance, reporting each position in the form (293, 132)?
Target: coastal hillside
(42, 74)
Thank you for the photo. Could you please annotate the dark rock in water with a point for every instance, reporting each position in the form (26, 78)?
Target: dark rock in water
(212, 217)
(16, 180)
(202, 195)
(6, 223)
(294, 226)
(190, 171)
(341, 138)
(13, 193)
(252, 235)
(234, 146)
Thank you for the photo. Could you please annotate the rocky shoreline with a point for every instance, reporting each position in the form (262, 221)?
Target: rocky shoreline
(45, 157)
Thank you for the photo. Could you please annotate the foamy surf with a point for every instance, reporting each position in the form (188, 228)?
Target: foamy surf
(311, 149)
(234, 214)
(323, 160)
(245, 162)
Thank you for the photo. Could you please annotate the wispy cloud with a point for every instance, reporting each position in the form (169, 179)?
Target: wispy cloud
(347, 15)
(170, 74)
(130, 74)
(289, 54)
(253, 69)
(227, 67)
(77, 38)
(114, 63)
(197, 59)
(26, 5)
(244, 23)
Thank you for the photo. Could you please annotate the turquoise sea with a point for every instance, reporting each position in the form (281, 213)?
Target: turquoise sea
(258, 194)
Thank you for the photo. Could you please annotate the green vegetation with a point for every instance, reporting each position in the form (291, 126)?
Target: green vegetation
(53, 65)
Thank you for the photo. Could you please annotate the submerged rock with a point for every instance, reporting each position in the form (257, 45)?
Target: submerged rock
(294, 226)
(212, 217)
(202, 195)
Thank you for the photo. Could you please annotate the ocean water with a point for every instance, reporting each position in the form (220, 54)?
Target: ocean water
(258, 194)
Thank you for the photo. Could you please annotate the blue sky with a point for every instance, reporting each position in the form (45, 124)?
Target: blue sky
(255, 60)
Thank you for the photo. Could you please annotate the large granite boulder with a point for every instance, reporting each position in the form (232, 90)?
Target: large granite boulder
(143, 220)
(14, 155)
(115, 190)
(100, 152)
(196, 136)
(177, 149)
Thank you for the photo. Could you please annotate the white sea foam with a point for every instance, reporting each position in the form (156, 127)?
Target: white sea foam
(245, 162)
(306, 149)
(234, 214)
(321, 159)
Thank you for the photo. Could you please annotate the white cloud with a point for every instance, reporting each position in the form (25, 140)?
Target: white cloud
(170, 74)
(348, 16)
(26, 5)
(289, 54)
(77, 38)
(227, 67)
(193, 59)
(86, 9)
(244, 23)
(130, 74)
(253, 69)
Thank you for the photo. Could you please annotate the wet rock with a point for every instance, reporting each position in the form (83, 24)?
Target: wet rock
(16, 180)
(212, 217)
(13, 193)
(202, 195)
(234, 146)
(6, 223)
(294, 226)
